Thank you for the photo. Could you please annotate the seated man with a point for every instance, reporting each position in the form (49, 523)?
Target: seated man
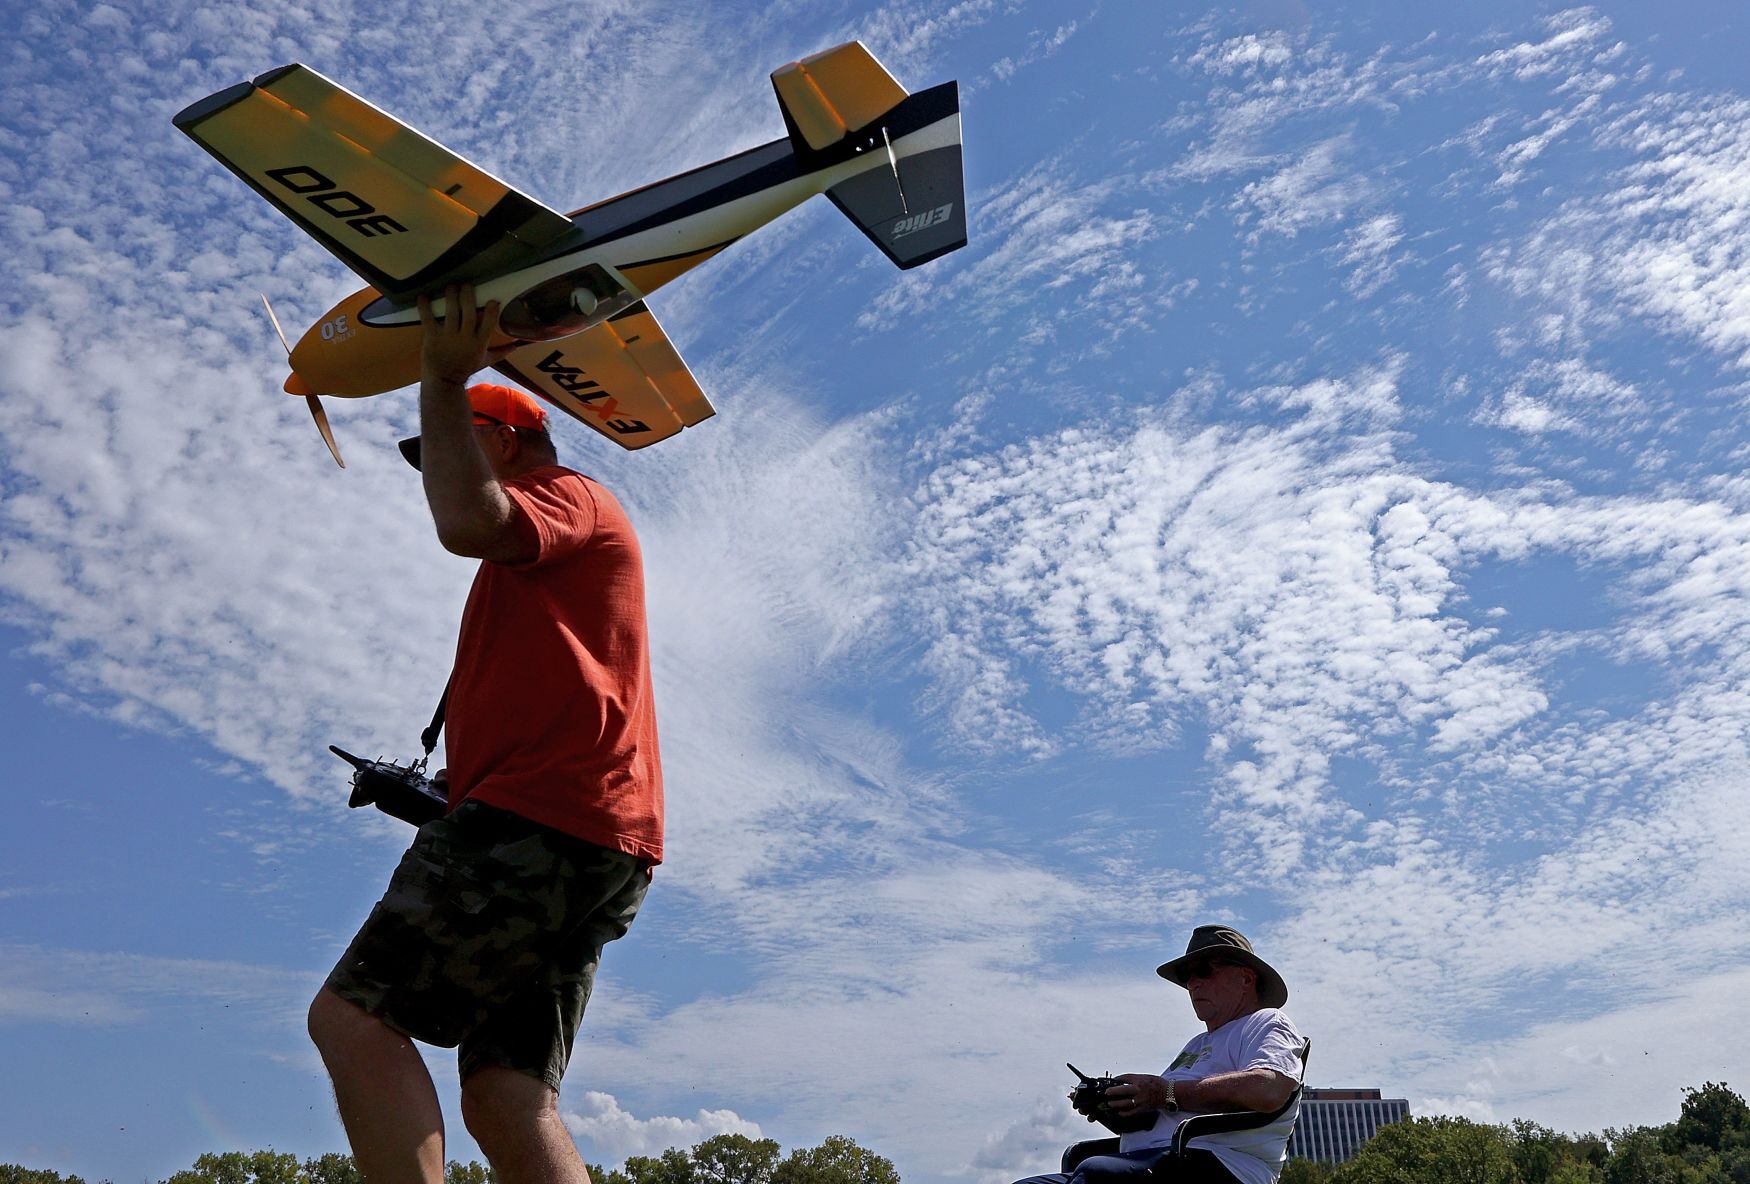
(1247, 1058)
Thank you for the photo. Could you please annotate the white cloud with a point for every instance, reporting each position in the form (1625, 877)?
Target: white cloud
(1239, 123)
(1049, 249)
(1571, 33)
(1565, 395)
(1244, 53)
(1662, 241)
(613, 1134)
(1370, 249)
(1311, 190)
(1517, 157)
(1044, 45)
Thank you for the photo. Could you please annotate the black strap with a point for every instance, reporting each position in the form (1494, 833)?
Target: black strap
(429, 737)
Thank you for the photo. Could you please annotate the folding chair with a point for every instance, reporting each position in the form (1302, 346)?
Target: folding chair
(1197, 1126)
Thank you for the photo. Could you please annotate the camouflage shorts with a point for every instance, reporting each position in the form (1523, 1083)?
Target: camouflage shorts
(488, 938)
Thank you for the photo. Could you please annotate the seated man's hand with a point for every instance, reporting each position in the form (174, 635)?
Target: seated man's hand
(1136, 1093)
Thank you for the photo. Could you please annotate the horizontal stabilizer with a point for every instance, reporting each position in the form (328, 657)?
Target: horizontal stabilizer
(623, 378)
(833, 93)
(402, 211)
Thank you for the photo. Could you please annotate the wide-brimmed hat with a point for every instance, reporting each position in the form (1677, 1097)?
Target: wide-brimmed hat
(492, 404)
(1220, 942)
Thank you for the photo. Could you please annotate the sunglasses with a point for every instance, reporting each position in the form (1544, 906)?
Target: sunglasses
(1205, 967)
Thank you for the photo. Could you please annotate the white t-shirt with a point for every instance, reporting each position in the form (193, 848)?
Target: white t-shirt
(1265, 1039)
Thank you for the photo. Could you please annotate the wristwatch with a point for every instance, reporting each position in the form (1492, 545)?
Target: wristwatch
(1171, 1103)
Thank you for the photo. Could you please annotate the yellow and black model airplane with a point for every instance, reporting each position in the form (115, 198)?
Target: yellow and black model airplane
(411, 217)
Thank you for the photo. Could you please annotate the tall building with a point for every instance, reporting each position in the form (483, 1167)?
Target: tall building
(1334, 1123)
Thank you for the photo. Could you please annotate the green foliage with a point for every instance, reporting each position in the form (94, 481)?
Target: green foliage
(242, 1167)
(1543, 1156)
(1637, 1157)
(721, 1159)
(734, 1159)
(332, 1168)
(1433, 1151)
(837, 1160)
(1708, 1144)
(673, 1166)
(254, 1167)
(1304, 1171)
(737, 1159)
(1714, 1119)
(12, 1173)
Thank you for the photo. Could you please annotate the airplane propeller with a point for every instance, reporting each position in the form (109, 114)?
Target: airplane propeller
(315, 404)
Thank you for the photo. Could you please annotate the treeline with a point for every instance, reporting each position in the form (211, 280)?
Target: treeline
(721, 1159)
(1708, 1144)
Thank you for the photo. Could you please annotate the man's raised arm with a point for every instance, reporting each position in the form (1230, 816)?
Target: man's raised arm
(473, 514)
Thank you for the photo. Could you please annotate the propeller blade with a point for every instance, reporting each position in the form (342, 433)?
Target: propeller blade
(317, 412)
(321, 418)
(276, 324)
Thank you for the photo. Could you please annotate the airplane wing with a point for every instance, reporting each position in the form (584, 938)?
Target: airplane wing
(621, 377)
(404, 212)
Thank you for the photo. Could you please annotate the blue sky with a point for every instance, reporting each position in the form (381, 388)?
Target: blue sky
(1312, 501)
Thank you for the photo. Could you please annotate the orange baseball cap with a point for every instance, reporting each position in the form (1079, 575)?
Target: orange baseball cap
(492, 404)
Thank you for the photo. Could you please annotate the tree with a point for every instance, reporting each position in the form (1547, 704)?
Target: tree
(472, 1172)
(673, 1166)
(1637, 1157)
(838, 1160)
(242, 1167)
(14, 1173)
(1714, 1119)
(1303, 1171)
(332, 1168)
(734, 1159)
(1432, 1151)
(1543, 1156)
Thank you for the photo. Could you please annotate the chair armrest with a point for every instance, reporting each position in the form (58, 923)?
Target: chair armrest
(1239, 1120)
(1076, 1152)
(1231, 1120)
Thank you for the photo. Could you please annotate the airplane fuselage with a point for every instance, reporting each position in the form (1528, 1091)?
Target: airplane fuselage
(619, 251)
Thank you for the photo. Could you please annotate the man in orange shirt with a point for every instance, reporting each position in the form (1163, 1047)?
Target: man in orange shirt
(490, 931)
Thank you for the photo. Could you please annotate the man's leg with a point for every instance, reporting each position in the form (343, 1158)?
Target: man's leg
(1133, 1166)
(1196, 1166)
(386, 1099)
(512, 1062)
(515, 1119)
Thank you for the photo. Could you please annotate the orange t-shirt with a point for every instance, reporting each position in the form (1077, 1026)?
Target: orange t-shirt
(550, 713)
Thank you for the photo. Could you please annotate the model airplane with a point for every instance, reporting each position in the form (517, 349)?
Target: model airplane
(411, 217)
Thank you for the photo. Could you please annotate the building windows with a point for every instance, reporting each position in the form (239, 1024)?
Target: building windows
(1334, 1123)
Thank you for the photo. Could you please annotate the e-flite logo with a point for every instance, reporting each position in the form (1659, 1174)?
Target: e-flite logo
(922, 221)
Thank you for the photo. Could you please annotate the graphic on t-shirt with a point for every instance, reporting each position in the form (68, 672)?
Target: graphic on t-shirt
(1189, 1057)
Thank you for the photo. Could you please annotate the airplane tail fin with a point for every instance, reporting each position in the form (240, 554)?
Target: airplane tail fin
(840, 106)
